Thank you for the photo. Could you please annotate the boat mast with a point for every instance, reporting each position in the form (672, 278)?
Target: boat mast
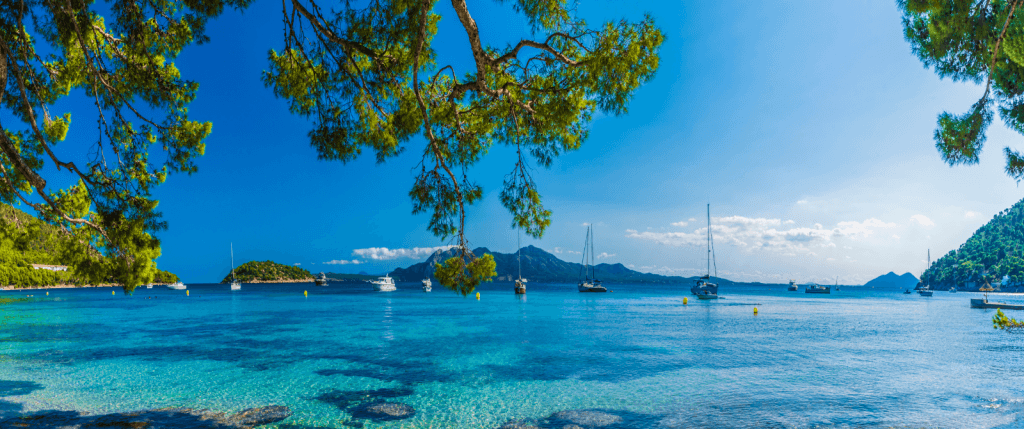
(583, 263)
(709, 241)
(232, 261)
(593, 268)
(519, 253)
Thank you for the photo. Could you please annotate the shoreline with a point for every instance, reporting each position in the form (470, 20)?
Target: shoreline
(12, 288)
(308, 280)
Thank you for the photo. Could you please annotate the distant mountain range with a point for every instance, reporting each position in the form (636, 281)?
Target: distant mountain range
(539, 266)
(893, 281)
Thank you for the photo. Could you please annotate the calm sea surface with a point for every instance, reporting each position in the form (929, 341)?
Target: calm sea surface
(856, 358)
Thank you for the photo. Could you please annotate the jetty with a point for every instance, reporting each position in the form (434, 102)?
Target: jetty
(983, 303)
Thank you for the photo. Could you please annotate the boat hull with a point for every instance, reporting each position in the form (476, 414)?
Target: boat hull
(520, 288)
(825, 291)
(708, 288)
(707, 296)
(236, 286)
(384, 288)
(793, 289)
(982, 303)
(587, 287)
(924, 292)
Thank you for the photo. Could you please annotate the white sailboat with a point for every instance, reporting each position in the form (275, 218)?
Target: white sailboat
(704, 289)
(384, 284)
(520, 287)
(235, 284)
(588, 284)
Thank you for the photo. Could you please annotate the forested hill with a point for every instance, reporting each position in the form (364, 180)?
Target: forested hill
(25, 240)
(268, 272)
(538, 266)
(994, 251)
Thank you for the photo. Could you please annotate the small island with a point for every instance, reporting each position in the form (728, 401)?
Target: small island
(269, 272)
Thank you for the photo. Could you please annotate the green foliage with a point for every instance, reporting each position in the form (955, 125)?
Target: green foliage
(1000, 321)
(995, 250)
(267, 271)
(370, 79)
(967, 40)
(463, 275)
(25, 240)
(124, 63)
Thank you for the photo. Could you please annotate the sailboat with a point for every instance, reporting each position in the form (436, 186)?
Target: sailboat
(926, 289)
(520, 287)
(235, 284)
(704, 289)
(587, 284)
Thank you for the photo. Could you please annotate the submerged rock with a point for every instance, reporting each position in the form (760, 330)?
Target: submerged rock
(165, 418)
(261, 415)
(383, 411)
(584, 419)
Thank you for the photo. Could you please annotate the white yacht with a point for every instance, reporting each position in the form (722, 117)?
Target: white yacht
(149, 286)
(235, 284)
(177, 285)
(426, 285)
(321, 280)
(383, 284)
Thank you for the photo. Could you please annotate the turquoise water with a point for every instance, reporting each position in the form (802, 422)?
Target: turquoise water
(850, 359)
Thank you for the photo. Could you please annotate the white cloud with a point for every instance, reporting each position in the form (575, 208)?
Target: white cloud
(766, 234)
(559, 251)
(789, 222)
(971, 214)
(297, 264)
(384, 254)
(693, 219)
(802, 202)
(922, 219)
(585, 224)
(896, 236)
(343, 262)
(680, 223)
(604, 255)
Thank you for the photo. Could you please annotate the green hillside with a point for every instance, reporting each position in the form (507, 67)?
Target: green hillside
(267, 271)
(995, 250)
(25, 240)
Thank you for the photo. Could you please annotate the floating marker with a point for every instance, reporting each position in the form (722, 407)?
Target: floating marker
(186, 293)
(755, 310)
(684, 300)
(112, 292)
(305, 294)
(478, 296)
(47, 293)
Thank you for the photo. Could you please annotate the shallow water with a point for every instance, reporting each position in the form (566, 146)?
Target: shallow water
(856, 358)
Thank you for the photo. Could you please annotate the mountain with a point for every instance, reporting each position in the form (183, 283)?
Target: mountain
(893, 281)
(995, 252)
(269, 272)
(538, 266)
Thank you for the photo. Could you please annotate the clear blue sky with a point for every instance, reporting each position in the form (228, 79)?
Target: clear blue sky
(806, 125)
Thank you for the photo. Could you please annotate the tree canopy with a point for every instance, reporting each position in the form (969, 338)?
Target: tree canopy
(995, 250)
(973, 41)
(365, 74)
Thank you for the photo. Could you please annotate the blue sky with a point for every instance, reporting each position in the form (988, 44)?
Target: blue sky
(806, 125)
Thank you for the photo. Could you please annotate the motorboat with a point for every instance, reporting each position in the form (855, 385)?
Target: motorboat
(320, 280)
(813, 288)
(426, 285)
(704, 294)
(178, 285)
(792, 286)
(384, 284)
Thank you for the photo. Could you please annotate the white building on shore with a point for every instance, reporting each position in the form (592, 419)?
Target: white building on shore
(50, 267)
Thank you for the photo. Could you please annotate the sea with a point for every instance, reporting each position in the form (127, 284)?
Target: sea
(639, 356)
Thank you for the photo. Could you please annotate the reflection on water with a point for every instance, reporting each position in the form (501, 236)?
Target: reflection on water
(635, 358)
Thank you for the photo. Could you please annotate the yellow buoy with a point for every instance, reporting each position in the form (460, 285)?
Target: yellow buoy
(478, 295)
(47, 293)
(305, 293)
(112, 292)
(755, 310)
(684, 300)
(186, 293)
